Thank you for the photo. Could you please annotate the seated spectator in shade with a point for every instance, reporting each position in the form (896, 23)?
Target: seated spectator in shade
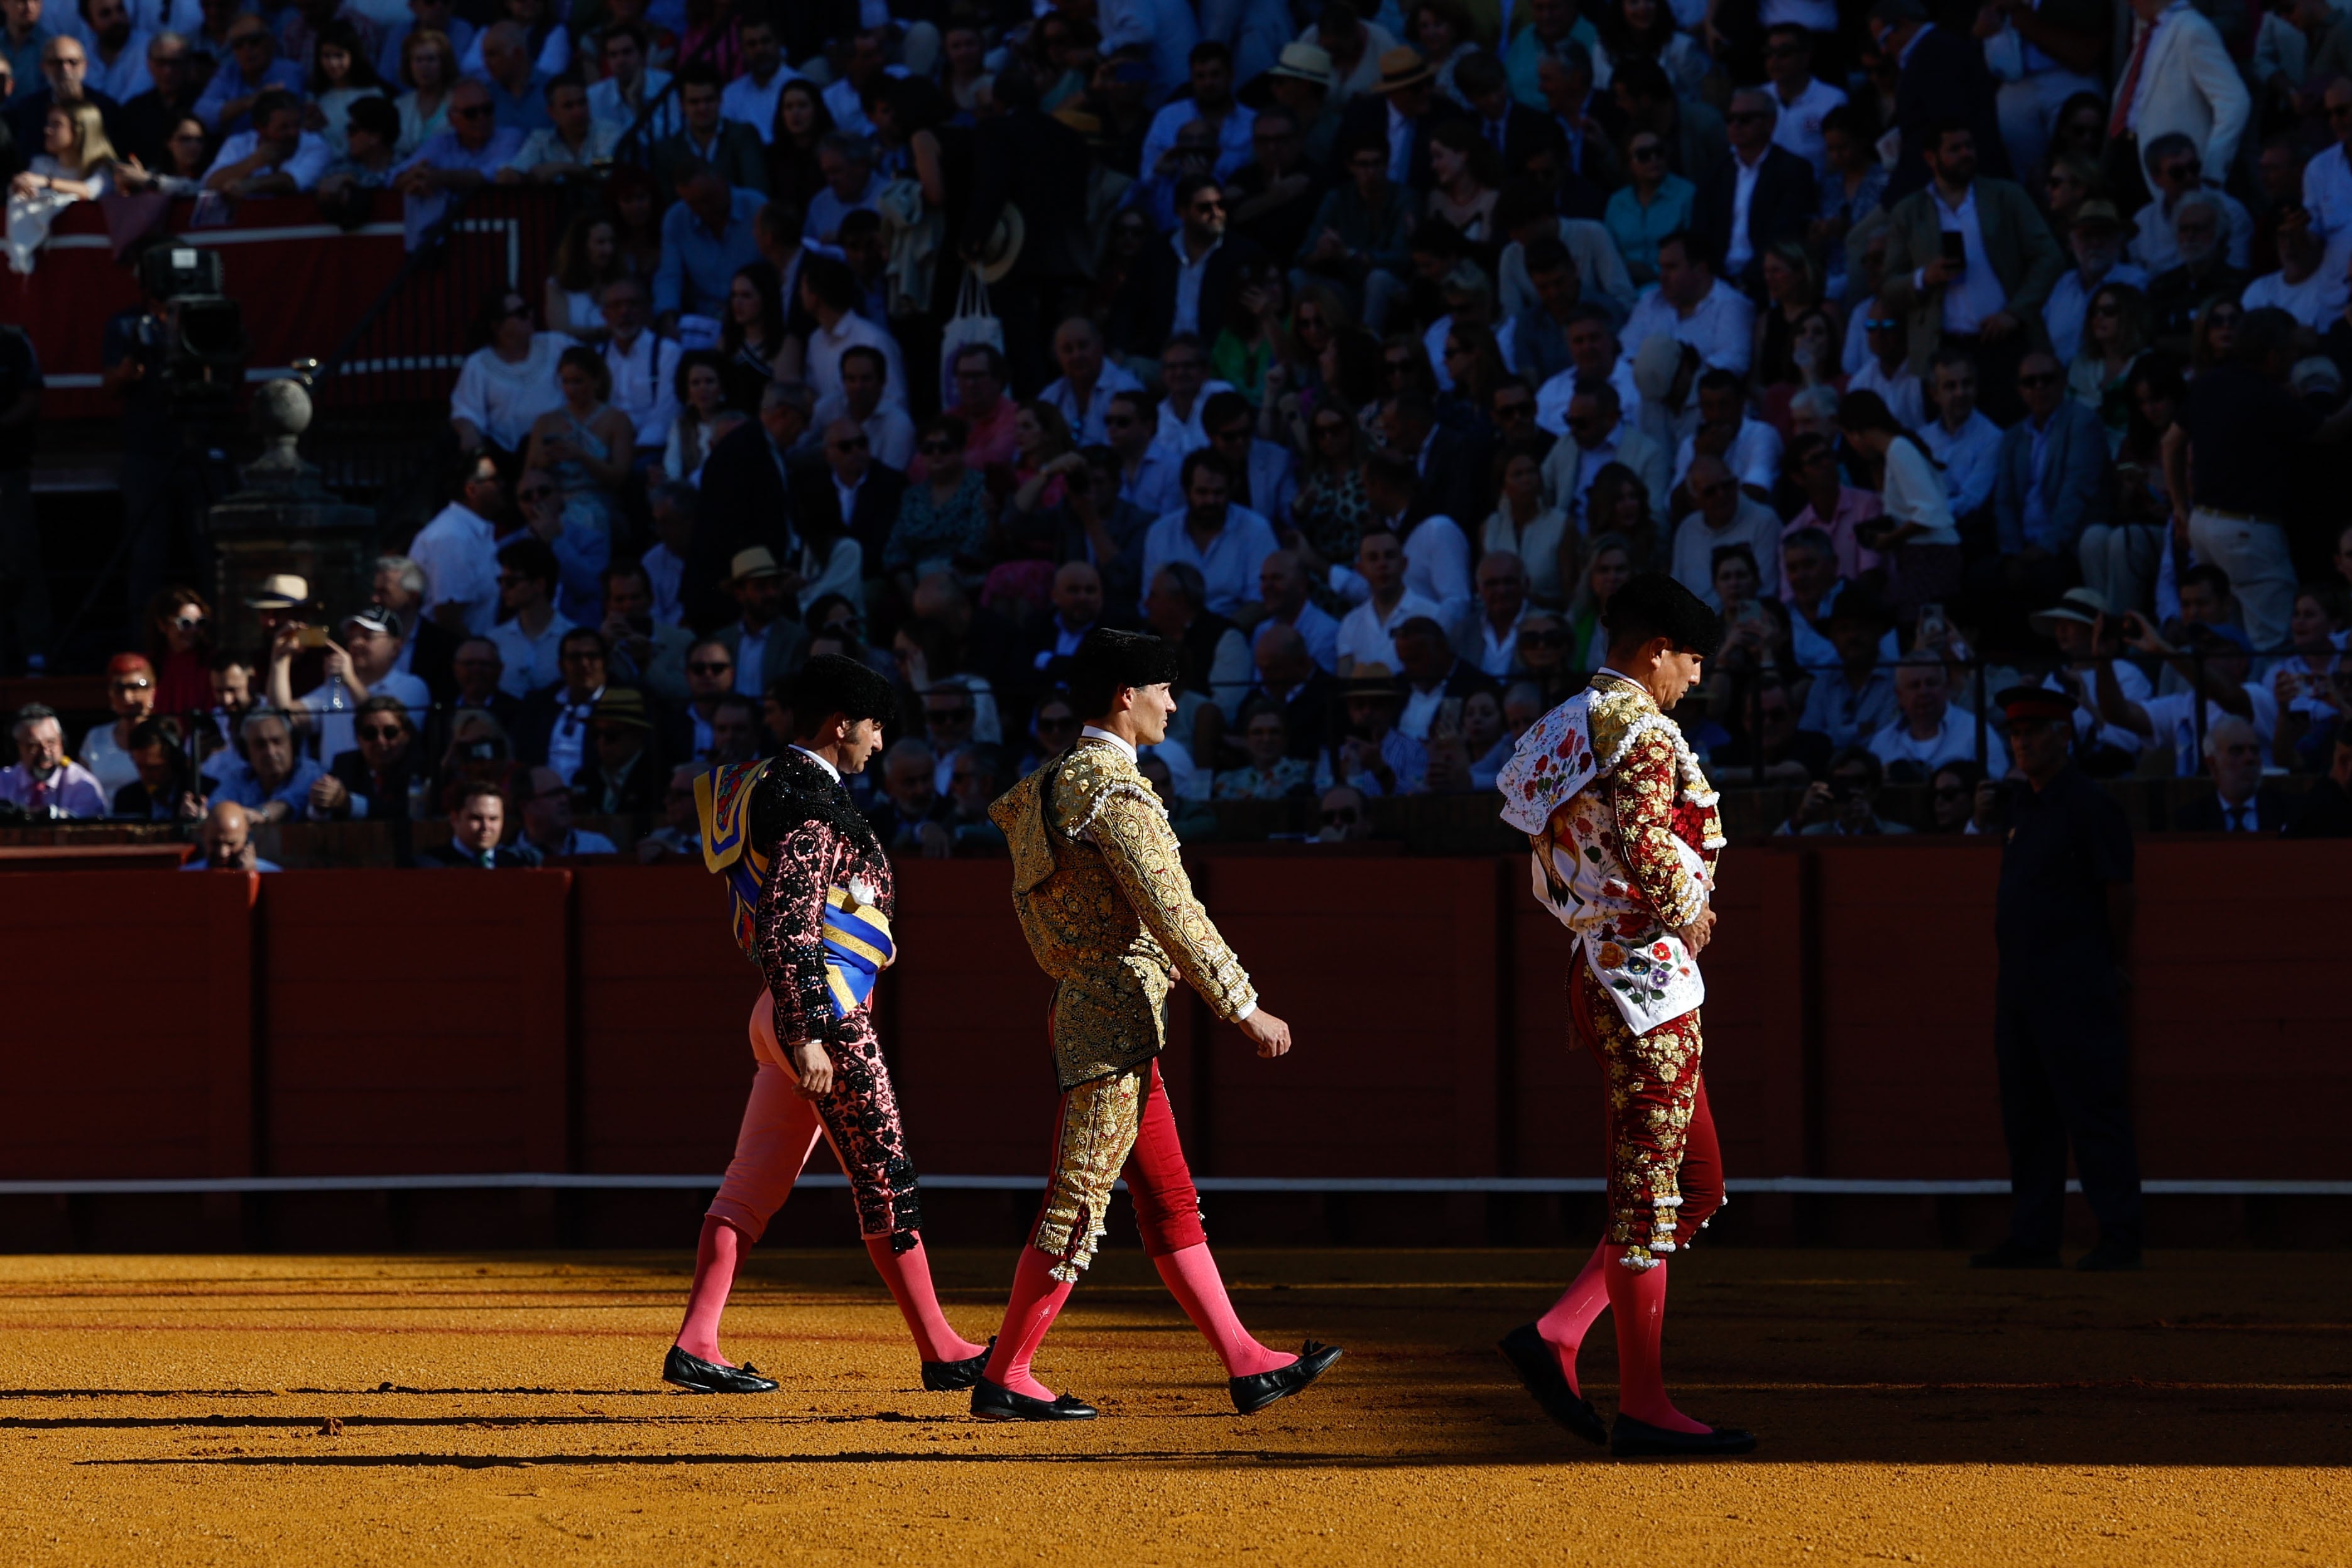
(1432, 674)
(532, 637)
(729, 146)
(706, 238)
(478, 752)
(1271, 773)
(507, 383)
(643, 652)
(988, 415)
(704, 419)
(2218, 656)
(2240, 802)
(359, 667)
(1959, 437)
(370, 159)
(1726, 515)
(1917, 532)
(1486, 737)
(1343, 816)
(629, 84)
(555, 724)
(1284, 589)
(574, 145)
(864, 377)
(1834, 508)
(1489, 640)
(735, 726)
(622, 777)
(1855, 699)
(1845, 803)
(910, 818)
(587, 447)
(1373, 755)
(227, 838)
(1763, 727)
(106, 748)
(474, 668)
(276, 158)
(1928, 732)
(372, 782)
(516, 78)
(975, 778)
(1307, 694)
(2325, 809)
(469, 154)
(1192, 821)
(943, 523)
(851, 185)
(162, 789)
(275, 784)
(547, 826)
(251, 69)
(680, 833)
(1224, 544)
(842, 511)
(476, 826)
(1958, 801)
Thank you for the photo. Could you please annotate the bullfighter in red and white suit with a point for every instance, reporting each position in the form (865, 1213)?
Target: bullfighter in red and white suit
(1625, 835)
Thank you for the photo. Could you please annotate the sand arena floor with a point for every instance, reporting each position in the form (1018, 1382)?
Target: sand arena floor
(464, 1409)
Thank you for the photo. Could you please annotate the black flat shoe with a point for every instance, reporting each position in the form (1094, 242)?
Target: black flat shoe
(994, 1402)
(2008, 1254)
(1255, 1392)
(1538, 1367)
(2109, 1257)
(1633, 1439)
(697, 1375)
(946, 1376)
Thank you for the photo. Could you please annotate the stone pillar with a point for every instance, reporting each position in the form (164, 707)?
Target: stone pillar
(284, 519)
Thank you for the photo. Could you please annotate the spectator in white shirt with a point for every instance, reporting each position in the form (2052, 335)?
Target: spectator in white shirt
(629, 83)
(2218, 656)
(1225, 543)
(507, 383)
(852, 185)
(2176, 169)
(527, 642)
(277, 158)
(1436, 550)
(751, 97)
(1802, 97)
(864, 377)
(1490, 638)
(1087, 382)
(1917, 528)
(467, 156)
(665, 563)
(1929, 732)
(358, 668)
(644, 367)
(1749, 448)
(1887, 372)
(1962, 439)
(2299, 287)
(829, 290)
(1364, 632)
(1690, 304)
(458, 548)
(1283, 586)
(1726, 517)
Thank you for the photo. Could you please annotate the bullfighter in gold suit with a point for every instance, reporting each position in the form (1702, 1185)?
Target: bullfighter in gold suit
(1100, 888)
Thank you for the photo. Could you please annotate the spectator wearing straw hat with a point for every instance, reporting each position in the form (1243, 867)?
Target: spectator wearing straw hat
(1373, 755)
(622, 777)
(1400, 113)
(760, 641)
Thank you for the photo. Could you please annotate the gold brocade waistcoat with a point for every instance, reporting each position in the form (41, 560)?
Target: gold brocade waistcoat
(1098, 882)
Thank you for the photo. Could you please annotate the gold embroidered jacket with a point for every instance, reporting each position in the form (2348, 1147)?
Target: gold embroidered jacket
(1103, 898)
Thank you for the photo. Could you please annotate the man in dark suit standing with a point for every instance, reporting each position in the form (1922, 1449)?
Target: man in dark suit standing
(851, 494)
(1761, 196)
(1401, 112)
(745, 501)
(1451, 465)
(1026, 160)
(1187, 282)
(1942, 80)
(2240, 802)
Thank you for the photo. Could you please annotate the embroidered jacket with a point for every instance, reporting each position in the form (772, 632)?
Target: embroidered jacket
(786, 826)
(1625, 834)
(1102, 895)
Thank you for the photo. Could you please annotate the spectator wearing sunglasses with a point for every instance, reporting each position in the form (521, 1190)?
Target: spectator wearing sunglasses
(251, 69)
(106, 748)
(372, 782)
(469, 154)
(845, 514)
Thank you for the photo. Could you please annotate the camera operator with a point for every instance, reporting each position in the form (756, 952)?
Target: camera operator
(135, 354)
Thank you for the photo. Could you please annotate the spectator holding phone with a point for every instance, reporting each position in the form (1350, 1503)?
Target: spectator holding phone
(1845, 804)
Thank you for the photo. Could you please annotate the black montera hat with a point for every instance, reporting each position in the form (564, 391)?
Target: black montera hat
(1652, 604)
(1106, 660)
(830, 683)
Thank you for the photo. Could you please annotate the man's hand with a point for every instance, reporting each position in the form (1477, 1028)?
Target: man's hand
(1939, 273)
(1269, 1034)
(1997, 326)
(1988, 804)
(811, 1068)
(1819, 804)
(1698, 933)
(328, 796)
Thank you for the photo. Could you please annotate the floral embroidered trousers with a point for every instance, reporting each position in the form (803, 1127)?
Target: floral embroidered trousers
(860, 1118)
(1666, 1170)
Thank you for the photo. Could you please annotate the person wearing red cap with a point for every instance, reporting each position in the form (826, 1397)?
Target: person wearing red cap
(2063, 924)
(106, 748)
(1625, 834)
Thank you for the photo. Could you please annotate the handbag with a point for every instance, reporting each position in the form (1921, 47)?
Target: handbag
(974, 322)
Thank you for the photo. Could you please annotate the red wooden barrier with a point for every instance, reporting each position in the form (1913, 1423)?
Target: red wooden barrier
(417, 1021)
(129, 1040)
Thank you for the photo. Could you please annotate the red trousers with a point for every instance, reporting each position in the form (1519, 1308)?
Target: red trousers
(1121, 1125)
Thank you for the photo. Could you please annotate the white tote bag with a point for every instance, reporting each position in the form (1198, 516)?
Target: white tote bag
(974, 322)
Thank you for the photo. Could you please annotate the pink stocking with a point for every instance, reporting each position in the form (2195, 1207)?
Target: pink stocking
(908, 1274)
(1190, 1275)
(1638, 1297)
(715, 1259)
(1037, 1298)
(1564, 1327)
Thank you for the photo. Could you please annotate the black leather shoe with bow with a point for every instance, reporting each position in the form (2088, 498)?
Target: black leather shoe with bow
(1255, 1392)
(946, 1376)
(697, 1375)
(994, 1401)
(1538, 1367)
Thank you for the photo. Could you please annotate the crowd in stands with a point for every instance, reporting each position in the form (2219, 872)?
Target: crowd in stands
(1360, 350)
